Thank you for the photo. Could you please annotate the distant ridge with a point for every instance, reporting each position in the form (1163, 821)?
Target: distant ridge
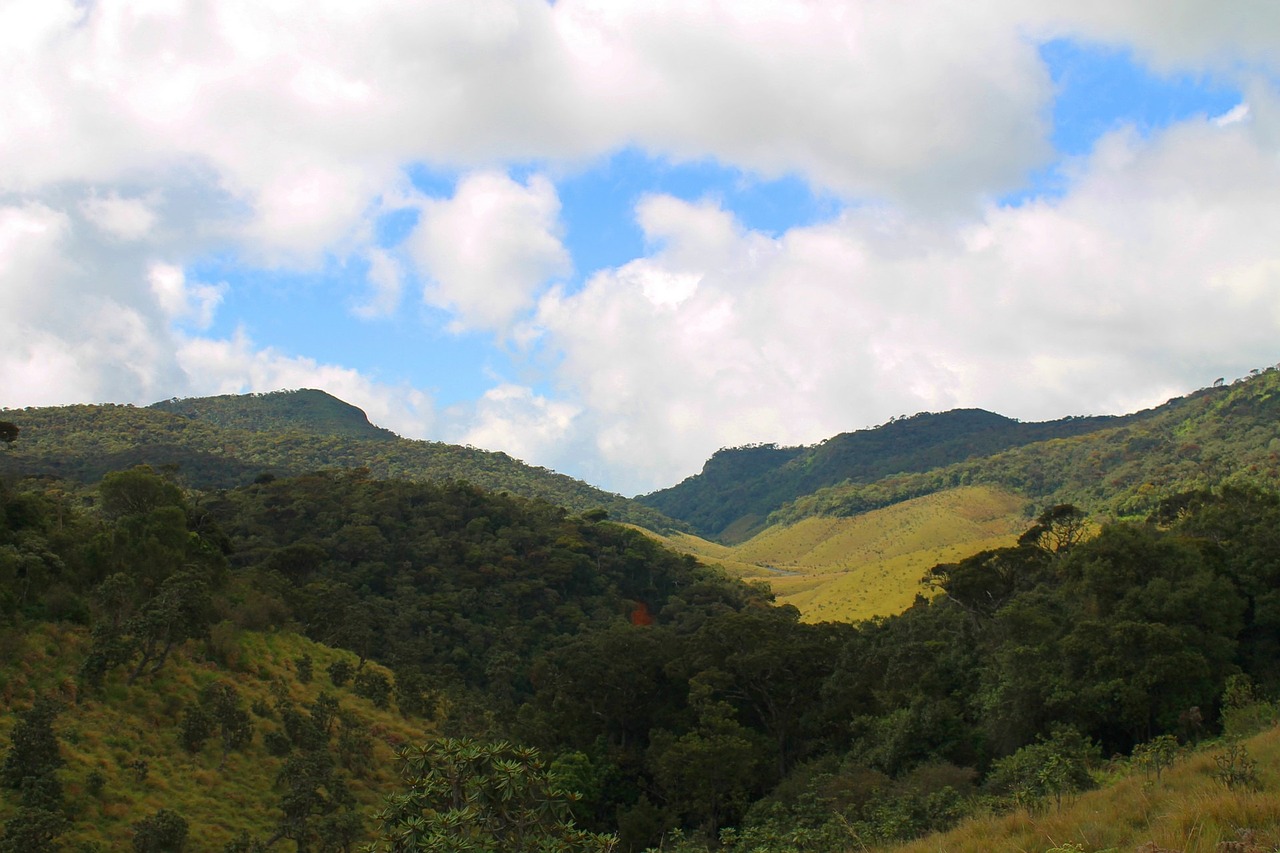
(232, 440)
(306, 409)
(738, 488)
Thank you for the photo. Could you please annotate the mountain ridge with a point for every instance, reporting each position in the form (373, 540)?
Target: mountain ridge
(223, 442)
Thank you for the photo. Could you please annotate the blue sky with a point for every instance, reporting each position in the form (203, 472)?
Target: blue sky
(610, 238)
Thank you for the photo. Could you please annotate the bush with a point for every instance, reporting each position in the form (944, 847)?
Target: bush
(163, 832)
(195, 728)
(340, 672)
(1052, 768)
(373, 686)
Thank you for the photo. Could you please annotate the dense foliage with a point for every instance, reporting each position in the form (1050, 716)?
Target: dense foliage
(674, 702)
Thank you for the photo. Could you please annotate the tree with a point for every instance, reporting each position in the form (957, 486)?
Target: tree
(221, 704)
(34, 754)
(8, 432)
(708, 773)
(163, 832)
(491, 798)
(1059, 528)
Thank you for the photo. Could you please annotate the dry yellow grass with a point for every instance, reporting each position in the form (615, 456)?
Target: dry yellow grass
(107, 733)
(848, 569)
(1187, 810)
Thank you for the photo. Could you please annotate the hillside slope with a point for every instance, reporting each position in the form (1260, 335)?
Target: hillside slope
(305, 409)
(739, 487)
(223, 442)
(1115, 466)
(1210, 437)
(854, 568)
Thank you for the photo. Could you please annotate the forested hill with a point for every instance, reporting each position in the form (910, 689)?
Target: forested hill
(739, 487)
(1227, 434)
(223, 442)
(306, 409)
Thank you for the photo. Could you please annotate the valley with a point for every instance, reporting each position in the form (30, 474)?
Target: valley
(224, 618)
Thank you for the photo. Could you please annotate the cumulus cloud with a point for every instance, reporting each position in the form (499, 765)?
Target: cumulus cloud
(182, 300)
(122, 218)
(514, 419)
(490, 248)
(1157, 271)
(141, 137)
(238, 366)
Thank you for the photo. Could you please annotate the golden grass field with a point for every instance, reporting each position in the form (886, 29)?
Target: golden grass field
(849, 569)
(1186, 810)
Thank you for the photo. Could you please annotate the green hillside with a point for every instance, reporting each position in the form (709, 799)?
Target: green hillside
(739, 488)
(223, 442)
(1111, 465)
(279, 411)
(1216, 435)
(240, 661)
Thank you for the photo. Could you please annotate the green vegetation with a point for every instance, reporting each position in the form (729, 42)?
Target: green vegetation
(1214, 436)
(739, 488)
(237, 668)
(849, 569)
(224, 442)
(1119, 467)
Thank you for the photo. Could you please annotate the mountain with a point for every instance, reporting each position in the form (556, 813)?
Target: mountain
(228, 441)
(739, 487)
(1110, 465)
(306, 409)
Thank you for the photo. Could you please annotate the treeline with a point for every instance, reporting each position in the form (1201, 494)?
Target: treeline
(680, 704)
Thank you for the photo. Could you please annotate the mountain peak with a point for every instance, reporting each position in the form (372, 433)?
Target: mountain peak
(306, 409)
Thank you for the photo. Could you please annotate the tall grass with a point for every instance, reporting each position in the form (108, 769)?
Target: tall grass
(849, 569)
(1186, 810)
(127, 735)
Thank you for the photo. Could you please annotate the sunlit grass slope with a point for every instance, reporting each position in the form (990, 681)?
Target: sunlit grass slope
(1186, 810)
(109, 732)
(846, 569)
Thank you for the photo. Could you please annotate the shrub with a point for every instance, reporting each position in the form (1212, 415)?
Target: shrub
(373, 686)
(340, 672)
(163, 832)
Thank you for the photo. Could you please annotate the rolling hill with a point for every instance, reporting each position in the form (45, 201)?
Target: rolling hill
(858, 547)
(1112, 465)
(228, 441)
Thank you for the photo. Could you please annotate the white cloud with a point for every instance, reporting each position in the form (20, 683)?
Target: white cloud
(490, 248)
(181, 300)
(387, 280)
(1156, 272)
(238, 366)
(514, 419)
(122, 218)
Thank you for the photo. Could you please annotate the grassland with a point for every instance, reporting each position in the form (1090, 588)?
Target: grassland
(109, 733)
(848, 569)
(1186, 810)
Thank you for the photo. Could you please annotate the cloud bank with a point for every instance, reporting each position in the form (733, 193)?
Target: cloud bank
(140, 137)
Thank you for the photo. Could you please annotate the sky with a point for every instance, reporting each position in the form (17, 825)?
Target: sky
(609, 237)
